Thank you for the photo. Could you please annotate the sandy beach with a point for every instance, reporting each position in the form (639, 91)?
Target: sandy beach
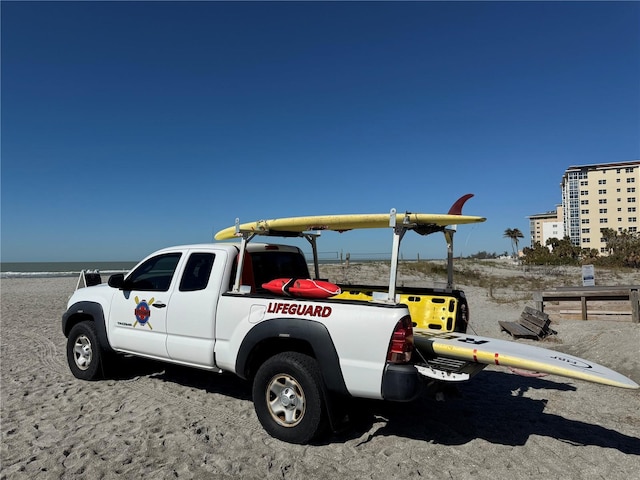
(161, 422)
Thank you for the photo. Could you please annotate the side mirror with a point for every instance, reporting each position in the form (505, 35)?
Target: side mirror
(116, 280)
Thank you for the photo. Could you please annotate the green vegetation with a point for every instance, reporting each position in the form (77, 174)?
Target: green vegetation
(504, 281)
(483, 255)
(514, 234)
(514, 286)
(623, 251)
(624, 248)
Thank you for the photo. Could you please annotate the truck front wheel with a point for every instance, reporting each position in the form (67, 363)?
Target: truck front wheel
(83, 351)
(287, 396)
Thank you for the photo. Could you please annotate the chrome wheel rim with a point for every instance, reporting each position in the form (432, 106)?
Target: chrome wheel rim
(286, 401)
(82, 352)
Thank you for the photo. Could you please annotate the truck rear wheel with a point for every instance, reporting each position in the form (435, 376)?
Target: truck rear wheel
(84, 354)
(288, 397)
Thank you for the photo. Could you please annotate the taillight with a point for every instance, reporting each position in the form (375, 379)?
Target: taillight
(401, 345)
(463, 315)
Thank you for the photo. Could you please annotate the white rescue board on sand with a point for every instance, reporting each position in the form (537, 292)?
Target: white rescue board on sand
(489, 351)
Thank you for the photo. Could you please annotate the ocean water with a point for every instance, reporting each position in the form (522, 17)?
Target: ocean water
(73, 269)
(60, 269)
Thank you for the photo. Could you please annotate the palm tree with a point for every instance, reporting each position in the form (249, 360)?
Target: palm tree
(514, 234)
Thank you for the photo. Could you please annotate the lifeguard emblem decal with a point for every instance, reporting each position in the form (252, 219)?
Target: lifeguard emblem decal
(143, 312)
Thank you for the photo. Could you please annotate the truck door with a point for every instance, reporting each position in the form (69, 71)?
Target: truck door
(138, 316)
(191, 316)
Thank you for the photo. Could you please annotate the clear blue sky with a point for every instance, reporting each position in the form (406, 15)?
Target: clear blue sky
(127, 127)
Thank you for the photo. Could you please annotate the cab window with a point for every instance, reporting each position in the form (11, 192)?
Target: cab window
(270, 265)
(155, 274)
(197, 272)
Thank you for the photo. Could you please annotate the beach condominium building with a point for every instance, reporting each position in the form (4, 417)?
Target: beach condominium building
(544, 226)
(600, 196)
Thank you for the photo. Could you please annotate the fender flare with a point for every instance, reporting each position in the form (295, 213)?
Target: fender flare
(87, 309)
(312, 332)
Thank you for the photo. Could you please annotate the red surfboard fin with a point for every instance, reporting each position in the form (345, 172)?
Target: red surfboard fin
(456, 208)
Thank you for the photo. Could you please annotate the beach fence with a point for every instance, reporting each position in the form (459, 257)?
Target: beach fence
(617, 303)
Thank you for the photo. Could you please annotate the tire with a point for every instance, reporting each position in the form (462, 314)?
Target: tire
(288, 397)
(84, 354)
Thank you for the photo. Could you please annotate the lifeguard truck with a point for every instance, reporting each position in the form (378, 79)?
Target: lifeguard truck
(306, 346)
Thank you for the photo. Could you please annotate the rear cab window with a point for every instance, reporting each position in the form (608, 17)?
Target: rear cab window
(197, 272)
(269, 265)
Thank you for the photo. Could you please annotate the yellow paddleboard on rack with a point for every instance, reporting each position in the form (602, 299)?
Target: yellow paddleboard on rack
(341, 223)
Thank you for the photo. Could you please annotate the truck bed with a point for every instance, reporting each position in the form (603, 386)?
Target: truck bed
(431, 308)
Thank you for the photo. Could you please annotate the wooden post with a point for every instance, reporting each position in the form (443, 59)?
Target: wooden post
(538, 302)
(583, 300)
(635, 306)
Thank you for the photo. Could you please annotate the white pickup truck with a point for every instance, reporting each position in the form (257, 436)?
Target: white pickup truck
(204, 306)
(179, 305)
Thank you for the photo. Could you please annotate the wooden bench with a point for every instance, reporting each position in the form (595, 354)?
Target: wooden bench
(610, 303)
(532, 324)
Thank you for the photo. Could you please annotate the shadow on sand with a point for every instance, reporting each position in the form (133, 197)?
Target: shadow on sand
(491, 407)
(129, 367)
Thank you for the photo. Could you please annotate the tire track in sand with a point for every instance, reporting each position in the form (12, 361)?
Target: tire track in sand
(44, 349)
(157, 390)
(230, 414)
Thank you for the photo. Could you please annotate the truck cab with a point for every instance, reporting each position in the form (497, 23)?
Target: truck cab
(165, 307)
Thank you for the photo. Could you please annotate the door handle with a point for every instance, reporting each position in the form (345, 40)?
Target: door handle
(158, 305)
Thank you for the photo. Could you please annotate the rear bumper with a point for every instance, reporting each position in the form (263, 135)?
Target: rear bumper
(400, 383)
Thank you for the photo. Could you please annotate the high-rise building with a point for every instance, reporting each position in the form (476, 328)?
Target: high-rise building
(605, 195)
(544, 226)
